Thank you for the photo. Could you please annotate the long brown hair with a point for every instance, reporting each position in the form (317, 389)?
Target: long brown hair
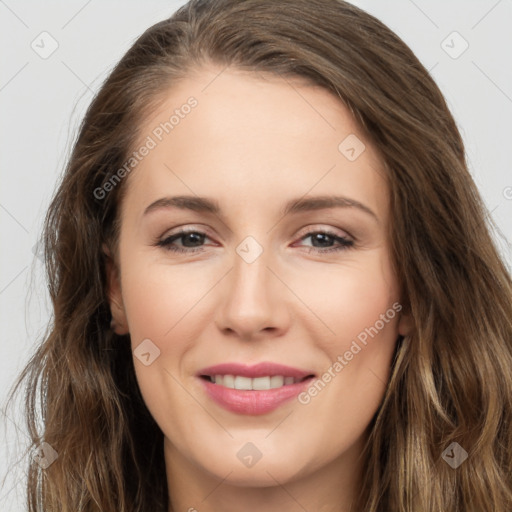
(452, 378)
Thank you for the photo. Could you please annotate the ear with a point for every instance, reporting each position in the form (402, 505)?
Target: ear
(115, 298)
(405, 322)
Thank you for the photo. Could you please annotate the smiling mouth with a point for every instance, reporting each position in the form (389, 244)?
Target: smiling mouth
(262, 383)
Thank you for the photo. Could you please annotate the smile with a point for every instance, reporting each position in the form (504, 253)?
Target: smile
(256, 384)
(253, 390)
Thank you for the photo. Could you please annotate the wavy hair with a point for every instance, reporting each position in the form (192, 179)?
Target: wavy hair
(451, 379)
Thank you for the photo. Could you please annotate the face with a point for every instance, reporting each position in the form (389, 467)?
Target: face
(293, 296)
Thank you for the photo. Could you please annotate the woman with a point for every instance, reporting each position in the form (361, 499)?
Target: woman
(273, 283)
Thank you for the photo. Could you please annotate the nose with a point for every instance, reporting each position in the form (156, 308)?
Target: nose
(253, 301)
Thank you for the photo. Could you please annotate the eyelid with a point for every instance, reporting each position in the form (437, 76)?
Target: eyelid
(344, 242)
(185, 228)
(327, 229)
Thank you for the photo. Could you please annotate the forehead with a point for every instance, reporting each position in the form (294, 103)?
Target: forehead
(252, 138)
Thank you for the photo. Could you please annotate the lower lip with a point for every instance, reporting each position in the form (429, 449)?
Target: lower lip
(250, 401)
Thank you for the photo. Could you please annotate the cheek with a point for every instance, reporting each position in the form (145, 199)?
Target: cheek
(161, 304)
(168, 306)
(349, 299)
(159, 301)
(361, 308)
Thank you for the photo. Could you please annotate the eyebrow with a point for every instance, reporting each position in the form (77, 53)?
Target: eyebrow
(303, 204)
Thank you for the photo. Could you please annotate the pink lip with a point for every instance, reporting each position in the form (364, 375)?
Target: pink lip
(257, 370)
(249, 401)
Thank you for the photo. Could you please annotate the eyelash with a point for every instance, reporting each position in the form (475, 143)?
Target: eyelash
(345, 243)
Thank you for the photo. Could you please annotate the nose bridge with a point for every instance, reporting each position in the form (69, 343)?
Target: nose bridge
(252, 301)
(250, 272)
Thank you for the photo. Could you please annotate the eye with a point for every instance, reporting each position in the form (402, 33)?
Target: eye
(325, 239)
(190, 239)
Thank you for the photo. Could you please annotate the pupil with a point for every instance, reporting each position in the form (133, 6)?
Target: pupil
(197, 236)
(322, 237)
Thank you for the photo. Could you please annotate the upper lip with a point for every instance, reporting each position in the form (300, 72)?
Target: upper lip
(258, 370)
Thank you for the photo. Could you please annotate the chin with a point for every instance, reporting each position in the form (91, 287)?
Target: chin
(269, 470)
(261, 475)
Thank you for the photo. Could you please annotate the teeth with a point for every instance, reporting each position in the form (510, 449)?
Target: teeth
(243, 383)
(276, 381)
(227, 380)
(258, 383)
(261, 383)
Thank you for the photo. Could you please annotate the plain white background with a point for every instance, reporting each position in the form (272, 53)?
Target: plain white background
(42, 101)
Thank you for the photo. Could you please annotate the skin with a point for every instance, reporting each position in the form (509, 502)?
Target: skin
(252, 143)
